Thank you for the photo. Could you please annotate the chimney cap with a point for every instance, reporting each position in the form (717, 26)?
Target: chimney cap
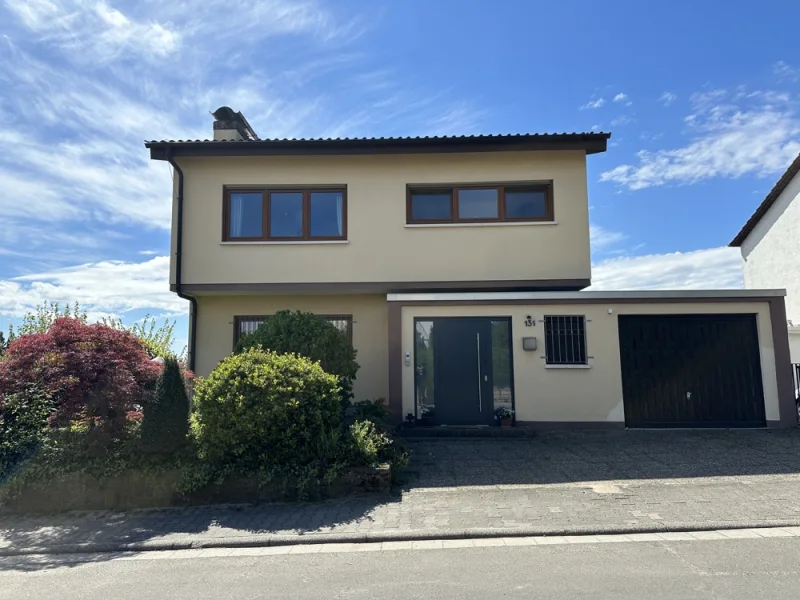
(224, 113)
(227, 118)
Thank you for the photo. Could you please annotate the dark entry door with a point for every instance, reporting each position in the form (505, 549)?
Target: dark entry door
(463, 371)
(691, 371)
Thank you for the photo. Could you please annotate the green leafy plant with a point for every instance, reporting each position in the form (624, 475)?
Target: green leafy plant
(23, 425)
(369, 447)
(368, 443)
(260, 409)
(165, 422)
(375, 411)
(309, 335)
(156, 339)
(46, 314)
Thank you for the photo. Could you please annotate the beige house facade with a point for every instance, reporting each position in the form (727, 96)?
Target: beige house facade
(456, 266)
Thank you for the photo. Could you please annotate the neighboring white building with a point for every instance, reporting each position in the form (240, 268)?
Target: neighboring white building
(770, 245)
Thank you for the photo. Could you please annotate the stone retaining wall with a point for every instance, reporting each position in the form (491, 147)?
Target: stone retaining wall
(131, 490)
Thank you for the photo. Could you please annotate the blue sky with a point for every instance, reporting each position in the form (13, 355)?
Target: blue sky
(701, 98)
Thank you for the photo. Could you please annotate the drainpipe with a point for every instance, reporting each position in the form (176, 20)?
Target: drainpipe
(179, 263)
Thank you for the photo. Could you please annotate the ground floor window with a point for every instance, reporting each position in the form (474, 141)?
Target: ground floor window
(245, 325)
(565, 340)
(462, 369)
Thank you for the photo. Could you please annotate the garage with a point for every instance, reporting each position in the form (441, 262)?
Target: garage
(691, 371)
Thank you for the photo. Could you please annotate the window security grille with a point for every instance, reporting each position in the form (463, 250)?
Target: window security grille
(248, 324)
(565, 340)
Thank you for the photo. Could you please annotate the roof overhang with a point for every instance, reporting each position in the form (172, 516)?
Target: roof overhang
(647, 296)
(590, 143)
(767, 203)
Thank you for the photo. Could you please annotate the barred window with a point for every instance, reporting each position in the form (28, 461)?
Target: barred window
(245, 325)
(565, 340)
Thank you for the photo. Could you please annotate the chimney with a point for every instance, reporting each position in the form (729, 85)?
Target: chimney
(230, 125)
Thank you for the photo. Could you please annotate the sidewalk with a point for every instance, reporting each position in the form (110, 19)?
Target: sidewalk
(554, 484)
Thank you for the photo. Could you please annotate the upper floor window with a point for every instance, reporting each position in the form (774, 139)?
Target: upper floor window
(477, 203)
(284, 214)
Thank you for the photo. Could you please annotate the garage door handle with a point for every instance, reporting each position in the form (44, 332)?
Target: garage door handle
(480, 395)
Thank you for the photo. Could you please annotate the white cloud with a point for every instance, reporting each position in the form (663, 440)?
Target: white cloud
(593, 104)
(667, 98)
(649, 135)
(621, 120)
(602, 238)
(785, 71)
(77, 25)
(754, 133)
(714, 268)
(620, 97)
(107, 287)
(596, 127)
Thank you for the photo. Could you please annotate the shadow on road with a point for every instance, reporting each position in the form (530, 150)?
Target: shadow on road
(173, 525)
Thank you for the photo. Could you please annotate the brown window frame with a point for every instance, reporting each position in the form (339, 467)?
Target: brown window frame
(265, 212)
(538, 186)
(239, 318)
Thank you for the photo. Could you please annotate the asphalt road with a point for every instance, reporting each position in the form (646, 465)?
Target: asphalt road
(732, 569)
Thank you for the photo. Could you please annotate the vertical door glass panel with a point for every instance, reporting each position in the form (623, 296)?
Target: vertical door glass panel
(245, 217)
(423, 370)
(286, 214)
(502, 391)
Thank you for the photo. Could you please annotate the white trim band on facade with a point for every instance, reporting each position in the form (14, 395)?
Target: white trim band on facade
(484, 224)
(285, 243)
(580, 296)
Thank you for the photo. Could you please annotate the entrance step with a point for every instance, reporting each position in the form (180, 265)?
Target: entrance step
(461, 432)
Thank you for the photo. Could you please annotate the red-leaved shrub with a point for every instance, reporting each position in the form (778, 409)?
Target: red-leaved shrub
(92, 371)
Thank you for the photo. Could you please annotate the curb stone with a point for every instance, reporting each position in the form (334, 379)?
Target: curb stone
(255, 541)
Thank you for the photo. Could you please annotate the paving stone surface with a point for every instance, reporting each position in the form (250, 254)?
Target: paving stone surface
(607, 480)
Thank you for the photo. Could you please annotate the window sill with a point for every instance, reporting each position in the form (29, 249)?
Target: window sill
(568, 366)
(285, 243)
(504, 224)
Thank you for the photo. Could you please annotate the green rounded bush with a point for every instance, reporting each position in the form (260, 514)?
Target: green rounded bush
(261, 409)
(311, 336)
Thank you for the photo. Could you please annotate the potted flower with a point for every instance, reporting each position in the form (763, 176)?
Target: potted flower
(504, 415)
(426, 414)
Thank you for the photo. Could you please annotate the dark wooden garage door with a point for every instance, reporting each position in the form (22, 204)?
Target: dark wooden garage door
(691, 371)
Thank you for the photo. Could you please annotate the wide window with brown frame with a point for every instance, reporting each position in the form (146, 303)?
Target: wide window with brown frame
(480, 203)
(284, 214)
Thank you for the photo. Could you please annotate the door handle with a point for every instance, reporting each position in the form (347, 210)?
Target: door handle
(480, 395)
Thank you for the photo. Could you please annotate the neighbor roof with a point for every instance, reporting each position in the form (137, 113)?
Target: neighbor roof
(765, 205)
(591, 143)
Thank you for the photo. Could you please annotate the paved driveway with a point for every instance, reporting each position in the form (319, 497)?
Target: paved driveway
(550, 484)
(625, 456)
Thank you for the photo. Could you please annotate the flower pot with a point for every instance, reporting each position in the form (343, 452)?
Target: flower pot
(506, 422)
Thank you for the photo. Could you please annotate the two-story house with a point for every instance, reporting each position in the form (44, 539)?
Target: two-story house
(770, 246)
(455, 265)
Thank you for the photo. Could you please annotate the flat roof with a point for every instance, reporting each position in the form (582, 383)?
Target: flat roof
(627, 295)
(589, 142)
